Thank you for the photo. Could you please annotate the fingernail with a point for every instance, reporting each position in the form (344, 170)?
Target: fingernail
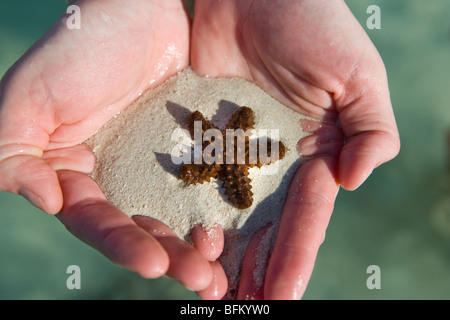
(307, 146)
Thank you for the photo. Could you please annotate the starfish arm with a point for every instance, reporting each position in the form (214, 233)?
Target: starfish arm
(243, 118)
(198, 116)
(198, 173)
(236, 184)
(268, 157)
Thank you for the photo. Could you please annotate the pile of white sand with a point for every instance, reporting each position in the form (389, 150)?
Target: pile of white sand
(136, 172)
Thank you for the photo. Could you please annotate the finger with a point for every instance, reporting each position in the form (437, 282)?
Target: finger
(368, 121)
(304, 220)
(187, 265)
(254, 265)
(362, 154)
(208, 242)
(218, 287)
(77, 158)
(325, 139)
(87, 214)
(32, 178)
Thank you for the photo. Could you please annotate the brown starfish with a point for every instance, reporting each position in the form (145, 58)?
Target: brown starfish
(236, 182)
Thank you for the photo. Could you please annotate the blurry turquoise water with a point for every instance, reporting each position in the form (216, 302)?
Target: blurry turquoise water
(399, 219)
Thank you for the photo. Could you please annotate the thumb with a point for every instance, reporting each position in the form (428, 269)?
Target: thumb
(362, 154)
(32, 178)
(368, 122)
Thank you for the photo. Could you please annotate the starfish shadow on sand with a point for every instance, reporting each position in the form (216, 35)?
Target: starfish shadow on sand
(234, 178)
(181, 114)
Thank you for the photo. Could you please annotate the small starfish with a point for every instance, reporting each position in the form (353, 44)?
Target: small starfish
(234, 176)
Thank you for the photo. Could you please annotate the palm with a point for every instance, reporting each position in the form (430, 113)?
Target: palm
(313, 56)
(116, 55)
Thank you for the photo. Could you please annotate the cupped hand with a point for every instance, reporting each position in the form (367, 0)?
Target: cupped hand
(61, 92)
(313, 56)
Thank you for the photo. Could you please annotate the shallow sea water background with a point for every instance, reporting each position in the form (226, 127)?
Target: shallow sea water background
(398, 220)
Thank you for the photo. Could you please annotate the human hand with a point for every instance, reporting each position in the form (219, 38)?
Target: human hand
(313, 56)
(60, 93)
